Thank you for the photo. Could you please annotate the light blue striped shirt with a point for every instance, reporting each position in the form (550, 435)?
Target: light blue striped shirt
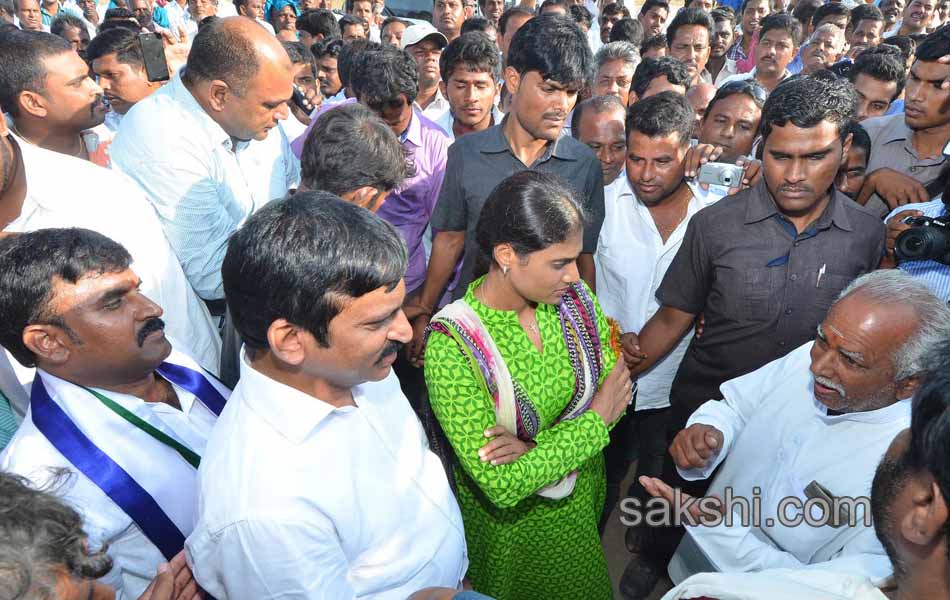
(934, 274)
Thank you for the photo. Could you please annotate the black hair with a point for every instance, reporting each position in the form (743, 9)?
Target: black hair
(649, 4)
(63, 20)
(651, 68)
(29, 262)
(511, 12)
(302, 258)
(332, 48)
(348, 56)
(223, 52)
(122, 42)
(351, 3)
(8, 7)
(598, 104)
(118, 13)
(782, 22)
(382, 75)
(864, 12)
(880, 66)
(653, 42)
(831, 9)
(661, 115)
(350, 21)
(555, 48)
(749, 88)
(627, 30)
(473, 51)
(614, 8)
(581, 15)
(742, 7)
(934, 46)
(918, 37)
(906, 45)
(22, 67)
(42, 538)
(687, 17)
(476, 24)
(723, 13)
(805, 10)
(349, 147)
(300, 55)
(859, 137)
(127, 24)
(319, 21)
(529, 210)
(390, 20)
(562, 3)
(807, 101)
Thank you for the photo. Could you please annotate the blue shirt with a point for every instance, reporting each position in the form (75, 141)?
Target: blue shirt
(935, 275)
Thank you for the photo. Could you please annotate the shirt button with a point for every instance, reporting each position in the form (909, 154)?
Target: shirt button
(782, 344)
(788, 311)
(796, 244)
(794, 277)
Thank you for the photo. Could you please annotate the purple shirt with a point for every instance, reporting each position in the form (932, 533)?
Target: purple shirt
(409, 207)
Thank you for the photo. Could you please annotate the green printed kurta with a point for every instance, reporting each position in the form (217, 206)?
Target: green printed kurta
(523, 546)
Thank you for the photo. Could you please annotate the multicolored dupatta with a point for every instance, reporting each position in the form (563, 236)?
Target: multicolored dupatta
(513, 410)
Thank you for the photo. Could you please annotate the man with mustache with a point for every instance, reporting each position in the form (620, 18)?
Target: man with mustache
(724, 24)
(763, 265)
(851, 388)
(915, 18)
(549, 62)
(332, 475)
(823, 49)
(907, 149)
(778, 42)
(688, 38)
(113, 403)
(51, 100)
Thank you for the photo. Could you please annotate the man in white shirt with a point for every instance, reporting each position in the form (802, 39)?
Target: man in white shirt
(332, 491)
(471, 68)
(48, 189)
(112, 402)
(811, 425)
(779, 38)
(425, 44)
(206, 148)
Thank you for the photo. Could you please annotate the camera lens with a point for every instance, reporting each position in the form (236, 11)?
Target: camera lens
(923, 243)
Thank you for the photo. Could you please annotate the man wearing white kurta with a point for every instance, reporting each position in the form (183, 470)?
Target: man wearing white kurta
(331, 491)
(62, 191)
(824, 414)
(112, 403)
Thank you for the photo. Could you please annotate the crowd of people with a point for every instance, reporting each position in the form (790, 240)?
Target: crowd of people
(300, 300)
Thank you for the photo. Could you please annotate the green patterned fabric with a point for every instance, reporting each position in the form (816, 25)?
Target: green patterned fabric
(523, 546)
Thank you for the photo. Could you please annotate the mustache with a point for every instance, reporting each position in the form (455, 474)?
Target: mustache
(152, 325)
(830, 384)
(795, 188)
(392, 347)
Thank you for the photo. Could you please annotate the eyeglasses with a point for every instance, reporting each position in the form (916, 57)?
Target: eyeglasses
(752, 88)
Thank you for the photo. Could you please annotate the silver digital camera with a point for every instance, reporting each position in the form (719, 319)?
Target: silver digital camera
(723, 174)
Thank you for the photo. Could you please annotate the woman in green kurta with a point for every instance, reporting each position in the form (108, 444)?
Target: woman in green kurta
(522, 336)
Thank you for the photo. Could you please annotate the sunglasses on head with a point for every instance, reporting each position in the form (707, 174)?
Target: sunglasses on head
(745, 87)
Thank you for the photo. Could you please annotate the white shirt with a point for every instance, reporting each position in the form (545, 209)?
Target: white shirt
(777, 584)
(631, 260)
(63, 191)
(202, 187)
(721, 81)
(779, 438)
(32, 455)
(322, 502)
(438, 107)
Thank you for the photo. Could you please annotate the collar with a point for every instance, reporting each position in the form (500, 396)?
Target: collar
(413, 133)
(892, 414)
(288, 411)
(761, 206)
(896, 130)
(213, 134)
(495, 142)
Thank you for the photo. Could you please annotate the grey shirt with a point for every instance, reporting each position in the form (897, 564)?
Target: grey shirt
(756, 280)
(892, 146)
(477, 162)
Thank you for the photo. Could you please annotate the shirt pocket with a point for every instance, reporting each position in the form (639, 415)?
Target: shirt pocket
(744, 293)
(828, 289)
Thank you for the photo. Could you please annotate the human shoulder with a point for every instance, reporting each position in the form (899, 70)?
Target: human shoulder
(883, 129)
(865, 219)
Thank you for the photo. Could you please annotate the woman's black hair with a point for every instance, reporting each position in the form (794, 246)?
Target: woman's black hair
(529, 210)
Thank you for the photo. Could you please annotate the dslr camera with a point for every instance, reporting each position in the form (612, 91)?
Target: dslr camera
(927, 239)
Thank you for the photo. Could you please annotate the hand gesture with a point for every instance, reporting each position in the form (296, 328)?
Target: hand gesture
(614, 395)
(708, 510)
(694, 446)
(504, 447)
(895, 227)
(897, 189)
(174, 581)
(630, 346)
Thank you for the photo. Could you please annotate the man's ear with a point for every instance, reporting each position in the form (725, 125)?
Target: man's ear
(49, 343)
(512, 80)
(927, 518)
(286, 342)
(33, 103)
(442, 88)
(218, 94)
(365, 197)
(907, 387)
(846, 147)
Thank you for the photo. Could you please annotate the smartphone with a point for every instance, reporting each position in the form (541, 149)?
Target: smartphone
(153, 54)
(723, 174)
(300, 101)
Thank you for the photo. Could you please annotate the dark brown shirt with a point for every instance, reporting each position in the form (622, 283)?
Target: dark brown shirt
(756, 280)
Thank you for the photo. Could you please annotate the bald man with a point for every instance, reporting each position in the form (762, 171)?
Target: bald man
(699, 96)
(206, 147)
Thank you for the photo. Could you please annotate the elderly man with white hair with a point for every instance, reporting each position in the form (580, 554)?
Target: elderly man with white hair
(801, 437)
(824, 48)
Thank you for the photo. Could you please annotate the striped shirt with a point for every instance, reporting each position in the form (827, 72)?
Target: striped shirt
(936, 275)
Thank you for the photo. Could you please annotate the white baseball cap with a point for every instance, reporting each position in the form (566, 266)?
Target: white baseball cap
(422, 31)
